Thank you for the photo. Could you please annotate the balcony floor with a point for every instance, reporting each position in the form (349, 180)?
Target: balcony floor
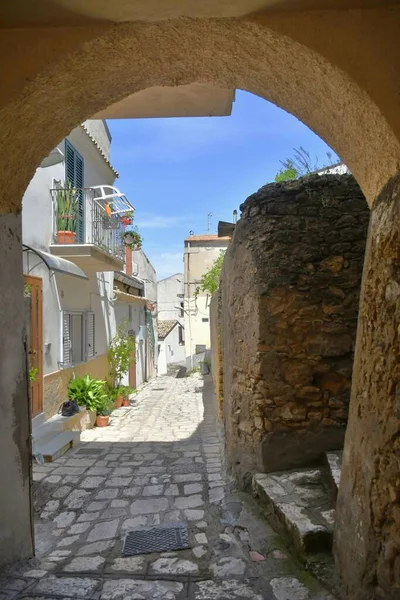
(88, 257)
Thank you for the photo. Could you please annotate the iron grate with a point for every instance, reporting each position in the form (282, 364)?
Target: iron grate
(173, 536)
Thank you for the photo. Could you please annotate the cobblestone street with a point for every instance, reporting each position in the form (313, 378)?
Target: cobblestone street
(160, 461)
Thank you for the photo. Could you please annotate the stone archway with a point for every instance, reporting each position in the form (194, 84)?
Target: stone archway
(337, 74)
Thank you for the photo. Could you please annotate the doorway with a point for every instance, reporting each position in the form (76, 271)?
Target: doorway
(33, 299)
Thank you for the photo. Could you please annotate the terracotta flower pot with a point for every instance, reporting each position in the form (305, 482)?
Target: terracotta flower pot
(126, 402)
(102, 420)
(66, 237)
(118, 402)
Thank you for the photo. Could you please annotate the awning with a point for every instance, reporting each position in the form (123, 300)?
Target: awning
(55, 263)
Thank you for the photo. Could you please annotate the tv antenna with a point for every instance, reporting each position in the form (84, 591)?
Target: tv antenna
(209, 222)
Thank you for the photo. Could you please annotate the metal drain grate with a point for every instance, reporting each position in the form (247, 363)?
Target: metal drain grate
(173, 536)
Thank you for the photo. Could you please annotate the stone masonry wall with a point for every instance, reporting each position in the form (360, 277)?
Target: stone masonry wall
(216, 350)
(290, 291)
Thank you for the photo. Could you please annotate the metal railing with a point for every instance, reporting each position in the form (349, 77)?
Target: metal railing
(82, 218)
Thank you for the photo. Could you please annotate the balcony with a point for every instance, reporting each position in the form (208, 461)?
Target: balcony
(88, 226)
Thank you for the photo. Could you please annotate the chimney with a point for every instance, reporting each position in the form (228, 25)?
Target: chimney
(128, 260)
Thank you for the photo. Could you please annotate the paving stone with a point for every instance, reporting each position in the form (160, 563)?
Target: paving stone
(131, 564)
(216, 495)
(289, 587)
(201, 525)
(35, 573)
(78, 528)
(92, 482)
(118, 482)
(82, 565)
(68, 541)
(228, 566)
(108, 494)
(134, 522)
(201, 538)
(153, 490)
(184, 477)
(131, 492)
(199, 551)
(174, 566)
(93, 506)
(62, 491)
(51, 506)
(103, 531)
(171, 490)
(66, 587)
(96, 547)
(76, 499)
(53, 479)
(192, 488)
(130, 589)
(64, 519)
(225, 590)
(194, 515)
(189, 501)
(88, 517)
(148, 506)
(122, 471)
(111, 513)
(214, 476)
(119, 503)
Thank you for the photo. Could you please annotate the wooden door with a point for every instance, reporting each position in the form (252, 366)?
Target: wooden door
(33, 290)
(132, 368)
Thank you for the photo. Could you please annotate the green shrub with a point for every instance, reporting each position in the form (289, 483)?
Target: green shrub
(88, 392)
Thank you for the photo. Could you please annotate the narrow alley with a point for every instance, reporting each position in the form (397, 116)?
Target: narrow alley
(160, 461)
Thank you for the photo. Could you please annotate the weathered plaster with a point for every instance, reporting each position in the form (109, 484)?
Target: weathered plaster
(368, 506)
(256, 53)
(15, 511)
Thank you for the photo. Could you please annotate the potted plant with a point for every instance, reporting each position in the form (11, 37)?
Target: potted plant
(126, 391)
(67, 215)
(104, 409)
(88, 392)
(120, 358)
(132, 238)
(126, 219)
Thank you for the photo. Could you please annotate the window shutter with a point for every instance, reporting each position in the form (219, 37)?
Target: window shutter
(80, 229)
(135, 269)
(67, 348)
(74, 176)
(90, 335)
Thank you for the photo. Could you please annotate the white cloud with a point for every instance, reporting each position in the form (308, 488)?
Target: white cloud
(167, 263)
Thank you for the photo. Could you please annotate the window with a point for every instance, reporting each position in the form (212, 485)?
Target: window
(74, 177)
(200, 348)
(78, 337)
(181, 336)
(182, 314)
(204, 320)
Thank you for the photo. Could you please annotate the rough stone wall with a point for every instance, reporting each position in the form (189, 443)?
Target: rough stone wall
(216, 350)
(368, 503)
(290, 292)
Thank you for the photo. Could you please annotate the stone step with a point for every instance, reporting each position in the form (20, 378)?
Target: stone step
(298, 506)
(54, 446)
(334, 460)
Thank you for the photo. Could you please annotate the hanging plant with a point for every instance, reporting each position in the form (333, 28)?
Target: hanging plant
(132, 238)
(126, 221)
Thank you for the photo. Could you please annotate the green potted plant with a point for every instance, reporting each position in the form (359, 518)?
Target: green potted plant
(89, 392)
(104, 409)
(132, 238)
(126, 391)
(67, 214)
(120, 358)
(205, 367)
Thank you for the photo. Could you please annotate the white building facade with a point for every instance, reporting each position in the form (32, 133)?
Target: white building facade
(171, 322)
(200, 253)
(69, 286)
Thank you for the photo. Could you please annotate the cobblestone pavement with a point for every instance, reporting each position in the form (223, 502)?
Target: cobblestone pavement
(160, 461)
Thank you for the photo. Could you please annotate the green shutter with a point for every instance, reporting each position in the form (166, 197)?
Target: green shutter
(74, 169)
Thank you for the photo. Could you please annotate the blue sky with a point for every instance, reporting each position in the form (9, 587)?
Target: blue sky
(176, 171)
